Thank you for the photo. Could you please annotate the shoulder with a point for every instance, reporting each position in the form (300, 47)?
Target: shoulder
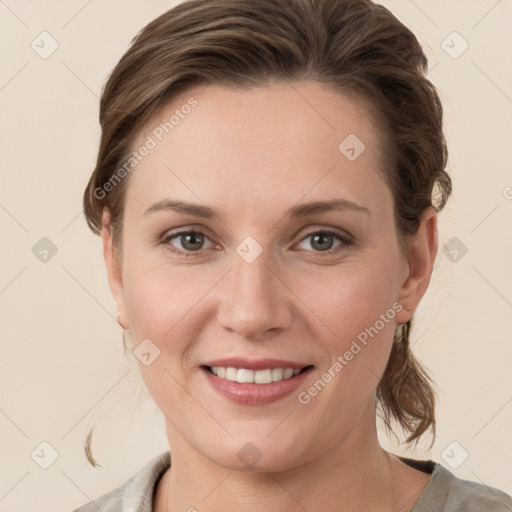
(136, 494)
(448, 493)
(108, 502)
(468, 496)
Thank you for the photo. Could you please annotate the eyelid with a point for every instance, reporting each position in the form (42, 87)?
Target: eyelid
(191, 228)
(310, 230)
(345, 238)
(185, 231)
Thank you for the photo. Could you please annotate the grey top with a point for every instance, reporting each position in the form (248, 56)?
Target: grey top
(444, 492)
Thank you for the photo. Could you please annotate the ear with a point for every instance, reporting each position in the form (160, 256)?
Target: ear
(422, 251)
(113, 267)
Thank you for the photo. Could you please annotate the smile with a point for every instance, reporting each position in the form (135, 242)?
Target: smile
(255, 387)
(243, 375)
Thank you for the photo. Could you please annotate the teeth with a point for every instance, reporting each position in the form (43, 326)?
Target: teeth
(254, 377)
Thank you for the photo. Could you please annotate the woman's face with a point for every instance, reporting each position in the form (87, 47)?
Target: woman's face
(267, 275)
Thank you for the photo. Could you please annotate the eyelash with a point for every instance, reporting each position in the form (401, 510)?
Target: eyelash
(347, 242)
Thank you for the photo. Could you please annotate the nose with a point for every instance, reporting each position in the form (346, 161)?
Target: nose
(254, 300)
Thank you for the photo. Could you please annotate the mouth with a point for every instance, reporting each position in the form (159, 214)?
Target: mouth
(261, 376)
(258, 387)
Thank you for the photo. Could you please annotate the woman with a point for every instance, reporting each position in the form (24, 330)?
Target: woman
(267, 190)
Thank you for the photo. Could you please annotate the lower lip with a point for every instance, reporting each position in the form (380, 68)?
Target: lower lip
(255, 394)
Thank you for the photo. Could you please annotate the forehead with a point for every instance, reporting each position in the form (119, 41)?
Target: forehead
(282, 141)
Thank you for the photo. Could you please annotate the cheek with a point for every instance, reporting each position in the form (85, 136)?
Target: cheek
(355, 311)
(159, 296)
(359, 314)
(162, 306)
(343, 299)
(349, 299)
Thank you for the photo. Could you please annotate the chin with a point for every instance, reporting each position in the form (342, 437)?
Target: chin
(255, 456)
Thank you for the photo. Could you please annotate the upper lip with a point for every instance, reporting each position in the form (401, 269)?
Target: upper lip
(255, 364)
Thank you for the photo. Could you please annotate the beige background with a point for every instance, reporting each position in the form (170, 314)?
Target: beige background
(62, 368)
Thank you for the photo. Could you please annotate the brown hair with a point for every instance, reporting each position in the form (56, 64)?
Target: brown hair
(355, 46)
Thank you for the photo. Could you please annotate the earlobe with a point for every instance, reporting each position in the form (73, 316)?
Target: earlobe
(422, 251)
(113, 268)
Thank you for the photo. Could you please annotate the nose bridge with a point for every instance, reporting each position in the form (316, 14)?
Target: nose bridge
(253, 301)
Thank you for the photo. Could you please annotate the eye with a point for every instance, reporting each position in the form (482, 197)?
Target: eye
(322, 242)
(191, 243)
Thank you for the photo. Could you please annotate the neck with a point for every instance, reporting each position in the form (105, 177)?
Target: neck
(356, 473)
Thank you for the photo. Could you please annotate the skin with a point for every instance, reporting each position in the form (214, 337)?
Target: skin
(253, 154)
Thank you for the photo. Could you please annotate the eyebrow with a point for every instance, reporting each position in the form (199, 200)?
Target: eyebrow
(302, 210)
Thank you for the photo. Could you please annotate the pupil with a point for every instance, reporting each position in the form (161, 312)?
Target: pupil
(322, 236)
(193, 236)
